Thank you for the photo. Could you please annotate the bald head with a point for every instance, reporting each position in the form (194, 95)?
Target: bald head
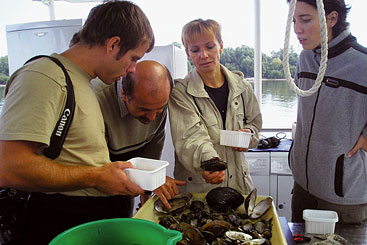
(150, 78)
(146, 91)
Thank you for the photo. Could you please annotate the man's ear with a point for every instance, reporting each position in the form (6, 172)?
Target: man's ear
(112, 44)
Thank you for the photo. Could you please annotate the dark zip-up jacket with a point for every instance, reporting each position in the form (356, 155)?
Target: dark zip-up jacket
(329, 123)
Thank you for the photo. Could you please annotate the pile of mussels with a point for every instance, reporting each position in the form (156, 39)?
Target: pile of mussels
(217, 220)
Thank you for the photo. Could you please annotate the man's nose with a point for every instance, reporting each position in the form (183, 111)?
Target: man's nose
(151, 116)
(131, 68)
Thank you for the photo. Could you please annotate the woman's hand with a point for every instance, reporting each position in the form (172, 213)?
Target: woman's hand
(239, 148)
(215, 177)
(361, 144)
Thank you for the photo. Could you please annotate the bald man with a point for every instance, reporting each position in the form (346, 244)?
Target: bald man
(135, 111)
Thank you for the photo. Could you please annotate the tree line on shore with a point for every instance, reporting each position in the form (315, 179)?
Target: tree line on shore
(242, 59)
(4, 69)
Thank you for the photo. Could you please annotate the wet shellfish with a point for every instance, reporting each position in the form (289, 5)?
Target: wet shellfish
(255, 211)
(223, 198)
(214, 164)
(178, 203)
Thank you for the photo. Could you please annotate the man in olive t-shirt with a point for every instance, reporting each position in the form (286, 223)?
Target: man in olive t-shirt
(80, 185)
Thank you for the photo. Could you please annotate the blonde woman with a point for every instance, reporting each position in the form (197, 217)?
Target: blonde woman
(208, 99)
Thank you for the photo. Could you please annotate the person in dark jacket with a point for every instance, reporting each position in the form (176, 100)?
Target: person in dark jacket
(328, 156)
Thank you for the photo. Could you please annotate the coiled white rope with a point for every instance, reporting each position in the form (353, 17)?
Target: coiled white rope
(324, 50)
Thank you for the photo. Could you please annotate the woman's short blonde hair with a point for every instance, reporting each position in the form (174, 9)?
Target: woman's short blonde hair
(200, 26)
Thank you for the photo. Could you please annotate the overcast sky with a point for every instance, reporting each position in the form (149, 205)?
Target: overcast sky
(168, 17)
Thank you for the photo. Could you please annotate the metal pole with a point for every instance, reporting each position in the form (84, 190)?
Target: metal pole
(257, 54)
(51, 8)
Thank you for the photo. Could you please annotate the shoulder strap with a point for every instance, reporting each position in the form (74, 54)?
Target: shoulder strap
(244, 111)
(62, 126)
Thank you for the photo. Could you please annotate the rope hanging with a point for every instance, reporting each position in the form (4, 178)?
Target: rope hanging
(324, 50)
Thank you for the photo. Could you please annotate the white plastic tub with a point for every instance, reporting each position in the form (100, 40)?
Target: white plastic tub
(235, 138)
(149, 174)
(319, 221)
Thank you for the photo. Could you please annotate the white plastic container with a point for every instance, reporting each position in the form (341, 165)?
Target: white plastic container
(149, 174)
(319, 221)
(235, 138)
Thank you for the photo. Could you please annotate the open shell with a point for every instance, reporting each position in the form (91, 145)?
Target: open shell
(178, 203)
(261, 208)
(238, 236)
(256, 211)
(250, 201)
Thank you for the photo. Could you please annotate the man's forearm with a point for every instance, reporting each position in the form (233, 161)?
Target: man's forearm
(22, 168)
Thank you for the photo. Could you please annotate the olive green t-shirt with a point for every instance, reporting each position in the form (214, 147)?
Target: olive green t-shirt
(35, 98)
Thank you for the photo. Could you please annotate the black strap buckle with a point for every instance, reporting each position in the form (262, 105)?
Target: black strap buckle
(332, 83)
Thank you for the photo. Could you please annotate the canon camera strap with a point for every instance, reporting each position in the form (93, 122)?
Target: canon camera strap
(62, 126)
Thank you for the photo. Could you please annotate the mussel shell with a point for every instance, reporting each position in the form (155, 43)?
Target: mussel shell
(214, 164)
(178, 203)
(261, 208)
(217, 227)
(260, 227)
(234, 219)
(167, 221)
(197, 205)
(192, 234)
(222, 198)
(238, 236)
(255, 241)
(209, 236)
(250, 201)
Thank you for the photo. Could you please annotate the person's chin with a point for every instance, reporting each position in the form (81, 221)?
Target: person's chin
(308, 46)
(112, 80)
(144, 121)
(108, 81)
(207, 66)
(305, 46)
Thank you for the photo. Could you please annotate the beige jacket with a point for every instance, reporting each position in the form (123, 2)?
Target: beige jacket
(195, 131)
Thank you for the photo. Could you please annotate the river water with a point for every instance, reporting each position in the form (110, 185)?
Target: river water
(278, 105)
